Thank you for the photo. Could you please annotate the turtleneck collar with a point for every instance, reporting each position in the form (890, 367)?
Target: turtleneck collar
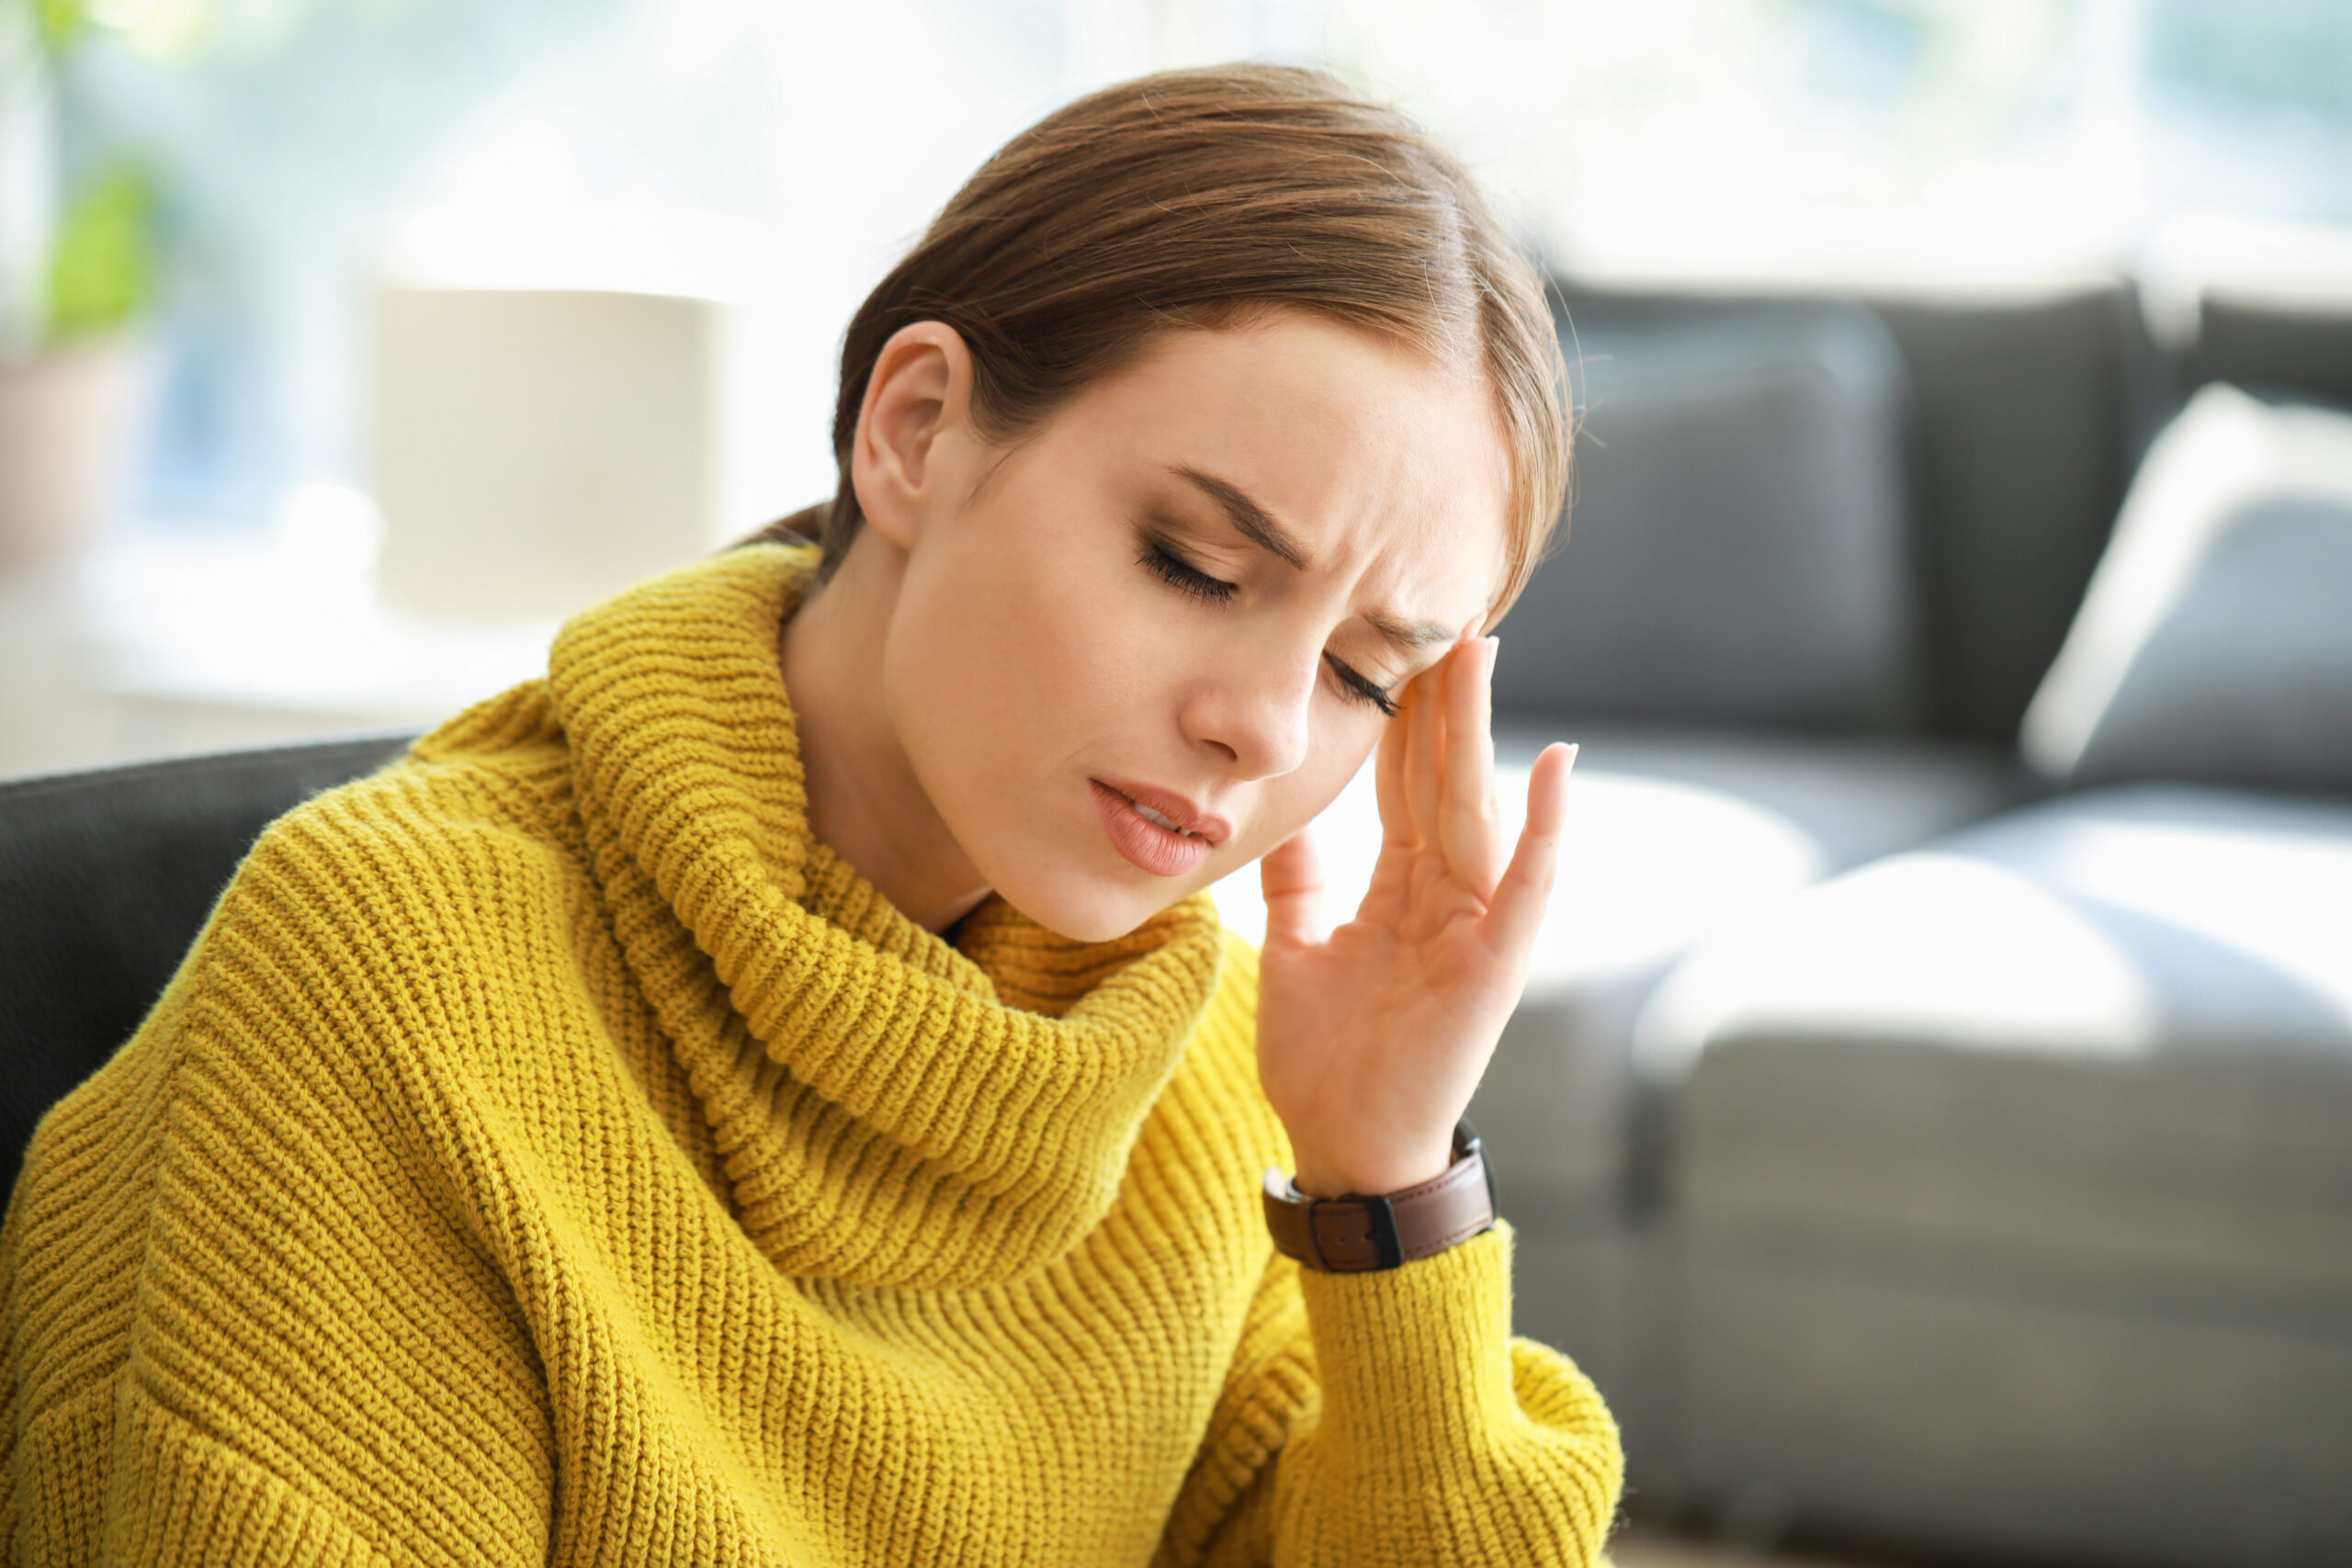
(891, 1108)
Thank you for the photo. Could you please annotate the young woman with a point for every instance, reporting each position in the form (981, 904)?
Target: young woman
(775, 1089)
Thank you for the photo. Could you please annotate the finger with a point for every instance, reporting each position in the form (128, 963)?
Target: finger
(1388, 777)
(1424, 761)
(1291, 878)
(1471, 826)
(1515, 910)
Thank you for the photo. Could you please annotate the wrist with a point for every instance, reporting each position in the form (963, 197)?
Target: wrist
(1363, 1173)
(1351, 1233)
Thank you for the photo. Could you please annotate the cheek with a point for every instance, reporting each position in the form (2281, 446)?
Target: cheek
(1010, 653)
(1031, 655)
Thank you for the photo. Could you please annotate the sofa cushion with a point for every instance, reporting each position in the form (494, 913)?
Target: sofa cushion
(2215, 642)
(2101, 1048)
(2012, 1188)
(1976, 1423)
(1740, 548)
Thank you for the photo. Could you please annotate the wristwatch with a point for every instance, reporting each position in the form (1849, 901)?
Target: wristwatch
(1355, 1234)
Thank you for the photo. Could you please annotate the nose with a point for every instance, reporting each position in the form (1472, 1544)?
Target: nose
(1253, 708)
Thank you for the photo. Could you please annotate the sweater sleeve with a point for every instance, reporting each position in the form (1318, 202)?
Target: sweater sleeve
(245, 1329)
(185, 1499)
(1389, 1417)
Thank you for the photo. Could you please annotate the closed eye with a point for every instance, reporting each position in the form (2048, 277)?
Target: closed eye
(1192, 582)
(1184, 576)
(1362, 689)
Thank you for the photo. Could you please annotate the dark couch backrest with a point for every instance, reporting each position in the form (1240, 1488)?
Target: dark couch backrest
(2274, 347)
(2017, 420)
(106, 878)
(2030, 418)
(2022, 421)
(1741, 539)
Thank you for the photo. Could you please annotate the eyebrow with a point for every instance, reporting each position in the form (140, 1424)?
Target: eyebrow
(1254, 521)
(1409, 636)
(1258, 525)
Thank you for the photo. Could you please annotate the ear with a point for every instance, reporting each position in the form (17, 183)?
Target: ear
(920, 391)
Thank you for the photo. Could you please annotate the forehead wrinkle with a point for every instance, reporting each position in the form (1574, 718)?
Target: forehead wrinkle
(1408, 636)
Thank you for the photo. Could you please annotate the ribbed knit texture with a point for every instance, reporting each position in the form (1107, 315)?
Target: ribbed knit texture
(550, 1154)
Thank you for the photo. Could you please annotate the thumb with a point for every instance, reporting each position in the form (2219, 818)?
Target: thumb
(1292, 879)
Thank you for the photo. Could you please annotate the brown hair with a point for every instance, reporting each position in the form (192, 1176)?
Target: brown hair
(1194, 199)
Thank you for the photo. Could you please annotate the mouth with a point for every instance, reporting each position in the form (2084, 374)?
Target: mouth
(1161, 833)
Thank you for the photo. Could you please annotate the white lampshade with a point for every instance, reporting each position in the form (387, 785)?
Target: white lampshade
(540, 450)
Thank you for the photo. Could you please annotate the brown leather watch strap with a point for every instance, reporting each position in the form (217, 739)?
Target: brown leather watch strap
(1352, 1235)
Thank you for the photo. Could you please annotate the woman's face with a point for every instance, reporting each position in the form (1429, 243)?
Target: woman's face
(1187, 596)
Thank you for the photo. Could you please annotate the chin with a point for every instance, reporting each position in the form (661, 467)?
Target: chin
(1081, 914)
(1088, 907)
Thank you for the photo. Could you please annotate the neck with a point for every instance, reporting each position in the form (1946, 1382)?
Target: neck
(864, 802)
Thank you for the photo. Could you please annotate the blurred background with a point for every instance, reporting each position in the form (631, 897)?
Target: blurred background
(1931, 1117)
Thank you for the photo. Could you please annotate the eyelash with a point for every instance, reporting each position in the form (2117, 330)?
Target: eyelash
(1193, 582)
(1184, 576)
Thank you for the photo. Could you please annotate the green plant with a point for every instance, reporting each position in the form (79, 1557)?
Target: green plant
(76, 262)
(61, 21)
(102, 271)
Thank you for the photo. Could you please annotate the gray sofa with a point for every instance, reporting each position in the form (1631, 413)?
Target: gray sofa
(1976, 1175)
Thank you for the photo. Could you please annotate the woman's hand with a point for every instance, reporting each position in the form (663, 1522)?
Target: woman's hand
(1371, 1041)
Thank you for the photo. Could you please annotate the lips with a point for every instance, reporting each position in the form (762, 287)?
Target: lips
(1179, 812)
(1158, 832)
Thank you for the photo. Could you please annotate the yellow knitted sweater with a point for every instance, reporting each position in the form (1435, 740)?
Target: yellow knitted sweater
(549, 1153)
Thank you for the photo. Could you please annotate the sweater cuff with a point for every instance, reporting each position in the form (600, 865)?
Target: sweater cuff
(1417, 1355)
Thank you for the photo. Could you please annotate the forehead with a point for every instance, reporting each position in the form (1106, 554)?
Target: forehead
(1388, 468)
